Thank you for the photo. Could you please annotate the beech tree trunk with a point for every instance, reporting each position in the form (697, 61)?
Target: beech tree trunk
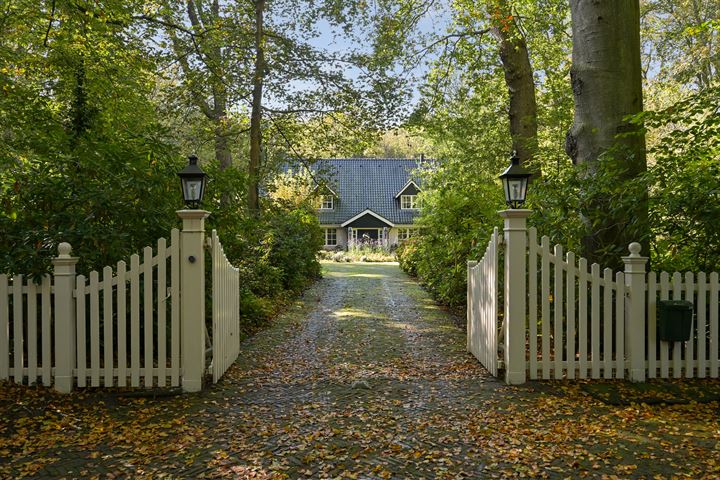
(256, 114)
(519, 80)
(606, 78)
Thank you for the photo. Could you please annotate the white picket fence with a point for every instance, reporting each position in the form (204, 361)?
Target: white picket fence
(580, 321)
(225, 310)
(122, 327)
(483, 301)
(698, 357)
(26, 329)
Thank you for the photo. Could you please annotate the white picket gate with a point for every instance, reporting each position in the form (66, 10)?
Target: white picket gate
(225, 310)
(128, 323)
(141, 326)
(576, 316)
(570, 320)
(483, 299)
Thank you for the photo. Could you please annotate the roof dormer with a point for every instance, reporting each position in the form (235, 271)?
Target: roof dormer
(410, 188)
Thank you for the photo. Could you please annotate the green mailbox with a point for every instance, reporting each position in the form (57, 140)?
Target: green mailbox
(674, 320)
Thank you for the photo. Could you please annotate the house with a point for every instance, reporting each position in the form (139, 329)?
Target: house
(367, 201)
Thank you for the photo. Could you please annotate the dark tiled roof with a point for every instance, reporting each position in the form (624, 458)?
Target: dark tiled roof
(363, 183)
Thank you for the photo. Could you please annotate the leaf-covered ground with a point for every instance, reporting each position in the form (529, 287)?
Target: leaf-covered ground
(364, 378)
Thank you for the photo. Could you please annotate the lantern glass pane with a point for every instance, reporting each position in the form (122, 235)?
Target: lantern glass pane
(193, 189)
(516, 190)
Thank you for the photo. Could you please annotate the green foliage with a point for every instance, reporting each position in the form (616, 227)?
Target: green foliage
(459, 211)
(85, 157)
(684, 183)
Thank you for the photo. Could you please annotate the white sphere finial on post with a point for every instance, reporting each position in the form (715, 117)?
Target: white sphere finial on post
(64, 250)
(634, 249)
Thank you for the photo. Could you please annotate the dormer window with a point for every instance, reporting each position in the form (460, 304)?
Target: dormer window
(409, 202)
(326, 202)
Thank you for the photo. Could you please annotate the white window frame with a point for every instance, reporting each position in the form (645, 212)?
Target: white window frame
(406, 233)
(327, 202)
(331, 235)
(409, 202)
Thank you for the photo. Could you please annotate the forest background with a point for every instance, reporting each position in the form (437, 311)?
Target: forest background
(101, 102)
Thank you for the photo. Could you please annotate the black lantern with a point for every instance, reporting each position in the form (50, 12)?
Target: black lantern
(515, 182)
(193, 181)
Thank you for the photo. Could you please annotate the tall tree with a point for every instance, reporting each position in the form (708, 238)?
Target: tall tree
(518, 73)
(606, 79)
(256, 114)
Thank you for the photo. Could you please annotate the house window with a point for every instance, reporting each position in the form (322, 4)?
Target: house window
(409, 202)
(326, 202)
(405, 233)
(330, 237)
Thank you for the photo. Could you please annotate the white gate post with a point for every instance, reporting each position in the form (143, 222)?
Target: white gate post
(470, 300)
(515, 293)
(65, 321)
(192, 298)
(635, 312)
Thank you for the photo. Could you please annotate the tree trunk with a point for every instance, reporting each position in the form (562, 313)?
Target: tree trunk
(606, 78)
(519, 80)
(212, 59)
(256, 115)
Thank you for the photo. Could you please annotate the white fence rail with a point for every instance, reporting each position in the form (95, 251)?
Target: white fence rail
(482, 314)
(225, 310)
(572, 320)
(122, 327)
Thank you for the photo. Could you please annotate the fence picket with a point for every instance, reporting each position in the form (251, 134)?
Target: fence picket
(558, 312)
(17, 329)
(607, 323)
(570, 316)
(652, 324)
(690, 345)
(80, 332)
(108, 349)
(161, 313)
(134, 320)
(175, 307)
(46, 333)
(701, 320)
(595, 319)
(148, 316)
(664, 346)
(532, 302)
(94, 330)
(714, 338)
(32, 332)
(582, 317)
(620, 325)
(677, 346)
(122, 323)
(545, 297)
(4, 329)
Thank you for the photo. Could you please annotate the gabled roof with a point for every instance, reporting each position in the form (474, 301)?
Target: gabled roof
(362, 184)
(410, 182)
(367, 212)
